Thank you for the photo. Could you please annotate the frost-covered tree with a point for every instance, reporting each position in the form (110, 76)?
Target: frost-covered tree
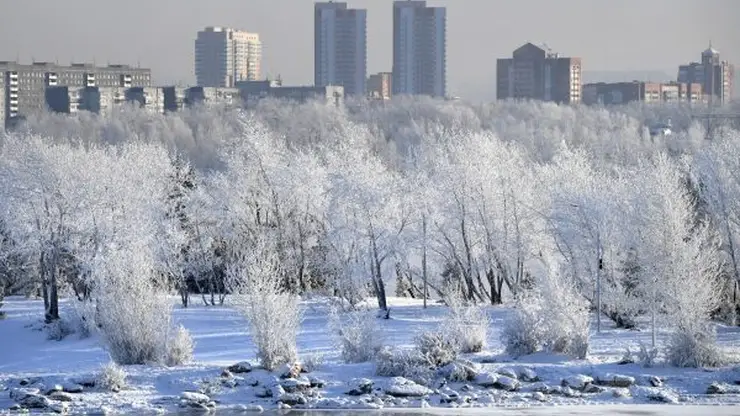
(682, 266)
(715, 175)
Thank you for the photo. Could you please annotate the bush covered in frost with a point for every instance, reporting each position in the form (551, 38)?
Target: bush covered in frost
(437, 347)
(111, 377)
(134, 317)
(407, 363)
(466, 324)
(694, 349)
(179, 347)
(356, 334)
(552, 317)
(274, 315)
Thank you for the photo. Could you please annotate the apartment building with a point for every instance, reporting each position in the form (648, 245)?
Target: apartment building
(340, 47)
(254, 91)
(26, 84)
(224, 56)
(537, 74)
(649, 92)
(101, 100)
(419, 49)
(715, 76)
(380, 86)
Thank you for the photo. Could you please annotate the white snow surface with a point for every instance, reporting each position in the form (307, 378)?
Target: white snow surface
(222, 339)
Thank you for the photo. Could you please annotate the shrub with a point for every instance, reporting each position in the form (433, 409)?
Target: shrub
(179, 347)
(134, 318)
(274, 315)
(466, 324)
(312, 362)
(59, 329)
(551, 318)
(437, 348)
(356, 334)
(111, 377)
(647, 356)
(694, 348)
(83, 317)
(524, 330)
(410, 364)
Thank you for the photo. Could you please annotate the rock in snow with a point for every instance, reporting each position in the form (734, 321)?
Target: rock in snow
(61, 396)
(195, 397)
(486, 380)
(360, 386)
(291, 371)
(402, 387)
(615, 380)
(662, 396)
(507, 383)
(241, 367)
(458, 372)
(508, 372)
(528, 375)
(293, 399)
(292, 385)
(72, 388)
(577, 381)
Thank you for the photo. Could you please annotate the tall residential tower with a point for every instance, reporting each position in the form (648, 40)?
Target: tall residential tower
(714, 75)
(419, 48)
(340, 47)
(534, 73)
(225, 56)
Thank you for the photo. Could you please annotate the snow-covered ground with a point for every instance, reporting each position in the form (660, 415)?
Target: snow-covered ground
(28, 360)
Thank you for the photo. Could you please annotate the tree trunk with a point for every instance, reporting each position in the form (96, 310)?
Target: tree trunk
(184, 295)
(52, 314)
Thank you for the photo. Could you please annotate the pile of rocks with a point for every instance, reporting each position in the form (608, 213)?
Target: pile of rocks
(34, 395)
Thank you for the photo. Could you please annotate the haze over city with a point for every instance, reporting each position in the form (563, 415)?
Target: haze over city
(630, 35)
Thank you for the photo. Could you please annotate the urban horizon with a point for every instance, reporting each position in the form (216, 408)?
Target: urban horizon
(474, 42)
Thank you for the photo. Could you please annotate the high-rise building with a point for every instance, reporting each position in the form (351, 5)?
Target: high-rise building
(419, 48)
(536, 74)
(380, 86)
(340, 46)
(224, 56)
(715, 76)
(25, 84)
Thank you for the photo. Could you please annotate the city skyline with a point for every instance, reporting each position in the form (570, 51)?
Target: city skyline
(479, 32)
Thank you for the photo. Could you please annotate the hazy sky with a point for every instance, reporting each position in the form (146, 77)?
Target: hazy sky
(607, 34)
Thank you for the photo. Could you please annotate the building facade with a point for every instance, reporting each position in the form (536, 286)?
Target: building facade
(625, 92)
(380, 86)
(2, 103)
(535, 74)
(26, 84)
(419, 49)
(101, 100)
(224, 56)
(715, 76)
(254, 91)
(340, 47)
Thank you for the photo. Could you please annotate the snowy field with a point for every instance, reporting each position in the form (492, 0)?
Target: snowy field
(221, 335)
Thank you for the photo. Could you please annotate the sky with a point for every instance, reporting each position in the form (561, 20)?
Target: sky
(609, 35)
